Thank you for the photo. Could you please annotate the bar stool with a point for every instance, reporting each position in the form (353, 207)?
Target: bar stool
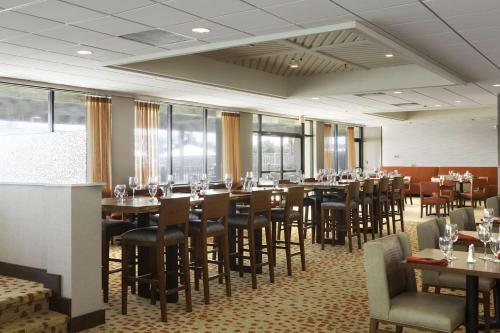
(367, 211)
(213, 223)
(396, 198)
(110, 229)
(259, 217)
(174, 212)
(293, 212)
(350, 208)
(382, 200)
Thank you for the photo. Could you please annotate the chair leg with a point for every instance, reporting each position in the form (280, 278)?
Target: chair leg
(425, 288)
(380, 219)
(187, 280)
(357, 227)
(437, 290)
(269, 253)
(373, 325)
(364, 217)
(240, 251)
(386, 213)
(393, 215)
(306, 219)
(421, 211)
(160, 266)
(487, 310)
(220, 263)
(313, 223)
(401, 215)
(105, 268)
(273, 242)
(204, 264)
(251, 245)
(300, 226)
(227, 272)
(372, 219)
(399, 329)
(288, 231)
(322, 229)
(125, 271)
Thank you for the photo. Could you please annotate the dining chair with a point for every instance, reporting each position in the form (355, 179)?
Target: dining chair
(396, 194)
(392, 291)
(430, 196)
(428, 234)
(172, 230)
(464, 218)
(259, 217)
(407, 189)
(477, 192)
(291, 214)
(494, 203)
(350, 209)
(213, 224)
(367, 209)
(448, 192)
(382, 202)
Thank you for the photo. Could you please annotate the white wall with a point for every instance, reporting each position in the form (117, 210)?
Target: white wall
(61, 235)
(465, 137)
(372, 147)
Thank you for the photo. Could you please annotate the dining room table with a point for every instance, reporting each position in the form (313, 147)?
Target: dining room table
(472, 272)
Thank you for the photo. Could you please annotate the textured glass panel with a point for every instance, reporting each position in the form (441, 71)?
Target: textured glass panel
(70, 111)
(214, 145)
(291, 154)
(23, 110)
(255, 154)
(342, 146)
(282, 125)
(163, 143)
(187, 142)
(56, 158)
(271, 153)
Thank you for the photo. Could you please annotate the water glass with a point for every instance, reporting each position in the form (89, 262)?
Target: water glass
(152, 180)
(120, 190)
(451, 232)
(133, 183)
(228, 181)
(484, 234)
(445, 245)
(152, 188)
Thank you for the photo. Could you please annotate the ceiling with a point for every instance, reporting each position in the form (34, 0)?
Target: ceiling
(39, 40)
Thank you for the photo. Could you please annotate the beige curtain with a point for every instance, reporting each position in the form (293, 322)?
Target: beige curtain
(328, 146)
(351, 148)
(99, 141)
(146, 140)
(231, 145)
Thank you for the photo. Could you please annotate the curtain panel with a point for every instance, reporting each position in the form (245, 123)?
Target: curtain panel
(146, 140)
(328, 146)
(231, 145)
(351, 148)
(99, 141)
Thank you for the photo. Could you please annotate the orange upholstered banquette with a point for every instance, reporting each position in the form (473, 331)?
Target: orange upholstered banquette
(419, 174)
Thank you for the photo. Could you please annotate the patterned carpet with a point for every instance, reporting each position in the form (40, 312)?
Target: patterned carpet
(330, 296)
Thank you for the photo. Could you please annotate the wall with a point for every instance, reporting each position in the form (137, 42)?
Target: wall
(465, 137)
(122, 145)
(61, 235)
(372, 147)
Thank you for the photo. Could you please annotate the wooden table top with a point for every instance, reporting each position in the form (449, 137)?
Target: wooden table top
(481, 268)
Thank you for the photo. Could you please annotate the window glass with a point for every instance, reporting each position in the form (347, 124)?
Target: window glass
(282, 125)
(214, 145)
(291, 154)
(308, 156)
(187, 142)
(342, 146)
(255, 154)
(70, 112)
(271, 153)
(255, 119)
(23, 110)
(308, 125)
(163, 143)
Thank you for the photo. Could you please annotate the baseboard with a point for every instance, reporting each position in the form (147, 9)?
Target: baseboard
(87, 321)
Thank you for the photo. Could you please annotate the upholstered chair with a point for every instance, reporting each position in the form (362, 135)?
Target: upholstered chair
(428, 234)
(494, 202)
(392, 291)
(463, 218)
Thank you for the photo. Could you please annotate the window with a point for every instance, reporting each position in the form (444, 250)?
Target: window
(341, 145)
(189, 140)
(38, 143)
(277, 146)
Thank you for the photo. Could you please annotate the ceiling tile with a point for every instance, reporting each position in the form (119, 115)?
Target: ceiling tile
(273, 30)
(447, 8)
(443, 94)
(16, 49)
(225, 38)
(475, 93)
(475, 20)
(210, 8)
(413, 12)
(113, 26)
(40, 42)
(477, 35)
(97, 53)
(9, 33)
(269, 3)
(307, 11)
(118, 44)
(74, 34)
(216, 30)
(356, 5)
(146, 50)
(59, 11)
(23, 22)
(420, 28)
(64, 59)
(250, 20)
(328, 21)
(183, 45)
(111, 7)
(158, 16)
(488, 44)
(13, 3)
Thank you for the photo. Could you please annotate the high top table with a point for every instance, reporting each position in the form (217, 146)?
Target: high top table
(481, 268)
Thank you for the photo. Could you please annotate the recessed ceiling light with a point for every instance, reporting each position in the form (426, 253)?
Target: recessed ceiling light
(398, 92)
(315, 98)
(437, 105)
(389, 55)
(293, 64)
(200, 30)
(84, 52)
(458, 101)
(496, 85)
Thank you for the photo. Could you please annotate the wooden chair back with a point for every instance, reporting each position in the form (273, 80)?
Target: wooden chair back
(368, 187)
(398, 184)
(294, 199)
(354, 190)
(260, 202)
(215, 206)
(429, 189)
(173, 212)
(383, 185)
(479, 184)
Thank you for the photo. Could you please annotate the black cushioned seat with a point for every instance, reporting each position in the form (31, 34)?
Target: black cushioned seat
(338, 205)
(278, 214)
(213, 227)
(116, 227)
(309, 201)
(156, 217)
(242, 220)
(149, 235)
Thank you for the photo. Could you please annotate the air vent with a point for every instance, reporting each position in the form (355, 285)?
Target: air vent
(402, 105)
(370, 94)
(156, 37)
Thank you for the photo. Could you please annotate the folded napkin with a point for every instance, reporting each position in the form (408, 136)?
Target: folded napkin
(240, 192)
(429, 261)
(467, 238)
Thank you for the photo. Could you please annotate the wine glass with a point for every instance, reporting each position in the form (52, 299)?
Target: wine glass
(133, 182)
(228, 181)
(444, 245)
(451, 232)
(152, 180)
(495, 248)
(152, 188)
(170, 182)
(484, 234)
(120, 191)
(193, 185)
